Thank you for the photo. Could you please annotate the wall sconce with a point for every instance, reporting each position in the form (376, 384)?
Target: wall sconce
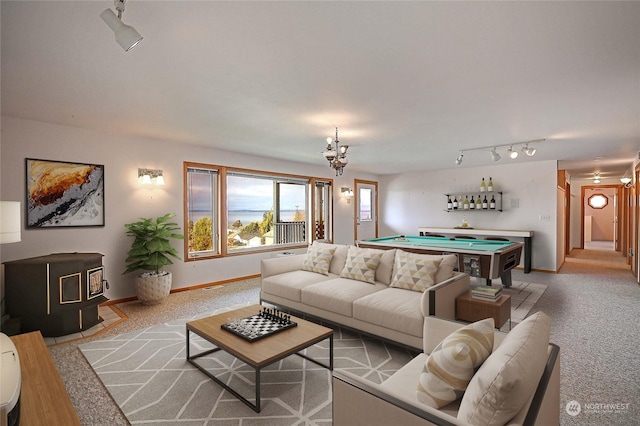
(147, 176)
(626, 181)
(347, 193)
(9, 222)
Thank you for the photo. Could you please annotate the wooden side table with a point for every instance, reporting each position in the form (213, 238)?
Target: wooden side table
(471, 309)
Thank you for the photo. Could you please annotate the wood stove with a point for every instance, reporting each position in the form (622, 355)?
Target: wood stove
(57, 294)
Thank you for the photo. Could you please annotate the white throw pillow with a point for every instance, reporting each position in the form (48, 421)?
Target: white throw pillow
(413, 273)
(510, 376)
(318, 259)
(361, 264)
(452, 364)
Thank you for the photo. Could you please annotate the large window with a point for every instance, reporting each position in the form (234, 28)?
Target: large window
(232, 211)
(201, 217)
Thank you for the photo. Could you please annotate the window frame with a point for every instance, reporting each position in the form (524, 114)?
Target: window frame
(221, 202)
(606, 201)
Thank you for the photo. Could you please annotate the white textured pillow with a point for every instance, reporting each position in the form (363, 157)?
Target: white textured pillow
(361, 264)
(452, 364)
(413, 273)
(318, 259)
(510, 376)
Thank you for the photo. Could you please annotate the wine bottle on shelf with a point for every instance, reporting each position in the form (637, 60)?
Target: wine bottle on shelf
(455, 202)
(466, 203)
(490, 185)
(472, 204)
(483, 186)
(492, 203)
(449, 203)
(485, 204)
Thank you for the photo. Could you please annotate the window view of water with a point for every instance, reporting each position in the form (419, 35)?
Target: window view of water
(244, 216)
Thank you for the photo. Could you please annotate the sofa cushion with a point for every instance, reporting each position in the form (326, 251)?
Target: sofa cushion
(339, 256)
(452, 364)
(509, 377)
(317, 259)
(289, 284)
(338, 294)
(412, 273)
(448, 263)
(384, 271)
(361, 264)
(392, 308)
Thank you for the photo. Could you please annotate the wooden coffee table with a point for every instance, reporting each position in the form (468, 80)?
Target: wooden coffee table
(258, 354)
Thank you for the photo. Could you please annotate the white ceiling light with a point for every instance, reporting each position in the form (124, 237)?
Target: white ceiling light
(494, 155)
(596, 178)
(459, 159)
(513, 154)
(530, 151)
(126, 36)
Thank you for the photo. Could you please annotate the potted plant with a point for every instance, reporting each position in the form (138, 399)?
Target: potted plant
(150, 251)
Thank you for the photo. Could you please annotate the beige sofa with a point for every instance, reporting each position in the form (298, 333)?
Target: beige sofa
(372, 307)
(524, 373)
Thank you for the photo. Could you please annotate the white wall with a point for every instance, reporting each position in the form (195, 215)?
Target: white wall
(126, 200)
(412, 200)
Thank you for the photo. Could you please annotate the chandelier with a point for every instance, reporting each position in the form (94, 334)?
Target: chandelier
(337, 156)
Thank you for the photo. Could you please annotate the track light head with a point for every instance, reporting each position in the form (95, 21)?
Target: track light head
(513, 154)
(530, 151)
(459, 159)
(126, 36)
(494, 155)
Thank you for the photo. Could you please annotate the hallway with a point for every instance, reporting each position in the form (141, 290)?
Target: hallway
(598, 253)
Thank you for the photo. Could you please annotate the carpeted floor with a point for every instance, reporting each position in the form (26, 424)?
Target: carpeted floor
(594, 311)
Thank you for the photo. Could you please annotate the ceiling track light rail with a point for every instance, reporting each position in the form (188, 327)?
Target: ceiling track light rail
(529, 151)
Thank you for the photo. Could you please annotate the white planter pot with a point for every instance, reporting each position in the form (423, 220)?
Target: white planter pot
(153, 289)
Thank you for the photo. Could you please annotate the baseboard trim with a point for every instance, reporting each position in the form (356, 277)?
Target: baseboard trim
(192, 287)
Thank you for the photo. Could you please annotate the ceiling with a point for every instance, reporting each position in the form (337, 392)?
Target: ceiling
(409, 84)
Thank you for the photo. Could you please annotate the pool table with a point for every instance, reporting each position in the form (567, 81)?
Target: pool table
(479, 258)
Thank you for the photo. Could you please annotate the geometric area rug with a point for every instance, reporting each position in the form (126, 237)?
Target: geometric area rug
(146, 374)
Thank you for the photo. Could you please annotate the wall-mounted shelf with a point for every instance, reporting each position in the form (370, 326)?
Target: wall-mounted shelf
(497, 195)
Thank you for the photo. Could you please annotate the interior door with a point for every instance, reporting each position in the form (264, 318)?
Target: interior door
(366, 206)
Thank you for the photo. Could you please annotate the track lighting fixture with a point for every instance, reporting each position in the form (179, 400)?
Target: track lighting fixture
(126, 36)
(494, 155)
(530, 151)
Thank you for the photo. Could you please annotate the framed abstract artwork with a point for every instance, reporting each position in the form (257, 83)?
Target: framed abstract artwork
(63, 194)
